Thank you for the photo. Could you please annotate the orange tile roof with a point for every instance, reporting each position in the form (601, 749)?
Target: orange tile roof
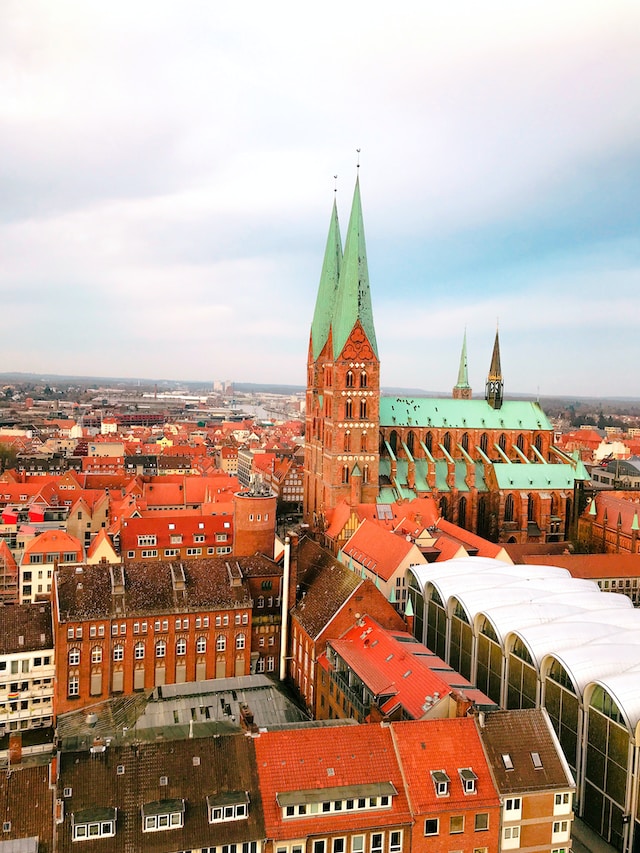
(377, 549)
(320, 758)
(54, 540)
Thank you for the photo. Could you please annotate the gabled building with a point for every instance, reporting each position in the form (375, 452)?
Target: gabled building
(452, 797)
(330, 600)
(41, 554)
(532, 777)
(333, 790)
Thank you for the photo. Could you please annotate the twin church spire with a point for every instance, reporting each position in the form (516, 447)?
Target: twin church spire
(344, 295)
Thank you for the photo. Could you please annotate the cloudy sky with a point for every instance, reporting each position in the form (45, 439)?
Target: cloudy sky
(166, 181)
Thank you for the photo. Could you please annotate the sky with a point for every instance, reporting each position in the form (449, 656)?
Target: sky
(167, 177)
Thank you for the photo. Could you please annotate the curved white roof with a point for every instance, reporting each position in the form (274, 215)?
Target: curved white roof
(624, 689)
(597, 661)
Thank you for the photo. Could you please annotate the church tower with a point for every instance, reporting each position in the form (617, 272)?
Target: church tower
(343, 378)
(495, 385)
(462, 389)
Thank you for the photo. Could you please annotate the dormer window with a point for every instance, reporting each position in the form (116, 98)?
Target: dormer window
(468, 779)
(440, 782)
(162, 814)
(537, 761)
(506, 760)
(232, 805)
(94, 823)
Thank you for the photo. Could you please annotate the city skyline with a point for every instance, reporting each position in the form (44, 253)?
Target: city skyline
(168, 176)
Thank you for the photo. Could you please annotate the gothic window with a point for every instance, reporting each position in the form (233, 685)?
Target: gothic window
(444, 508)
(181, 647)
(484, 442)
(465, 441)
(363, 379)
(447, 442)
(363, 409)
(393, 441)
(138, 651)
(221, 643)
(201, 645)
(347, 442)
(348, 409)
(345, 473)
(508, 508)
(462, 512)
(531, 508)
(428, 442)
(363, 442)
(240, 641)
(411, 442)
(349, 379)
(365, 474)
(502, 441)
(96, 654)
(539, 443)
(74, 657)
(520, 442)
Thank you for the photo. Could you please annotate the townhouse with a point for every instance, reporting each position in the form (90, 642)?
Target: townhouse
(177, 534)
(27, 668)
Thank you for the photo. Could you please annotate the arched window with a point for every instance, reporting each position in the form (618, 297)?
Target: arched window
(201, 645)
(347, 442)
(363, 442)
(221, 643)
(462, 512)
(531, 508)
(363, 409)
(138, 651)
(484, 442)
(428, 442)
(502, 441)
(74, 657)
(96, 654)
(118, 653)
(539, 443)
(348, 409)
(520, 442)
(161, 649)
(345, 473)
(181, 647)
(240, 641)
(349, 379)
(508, 508)
(393, 441)
(447, 442)
(465, 441)
(365, 474)
(411, 440)
(363, 379)
(444, 508)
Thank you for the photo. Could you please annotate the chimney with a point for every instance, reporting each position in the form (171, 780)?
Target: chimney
(293, 570)
(15, 748)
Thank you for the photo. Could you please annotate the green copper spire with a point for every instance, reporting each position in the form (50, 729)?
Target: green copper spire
(326, 299)
(462, 389)
(353, 301)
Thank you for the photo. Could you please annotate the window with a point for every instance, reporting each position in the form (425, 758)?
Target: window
(357, 844)
(161, 649)
(395, 841)
(511, 833)
(512, 804)
(376, 842)
(468, 779)
(118, 653)
(181, 647)
(233, 811)
(158, 822)
(74, 686)
(456, 824)
(431, 826)
(440, 782)
(95, 828)
(96, 654)
(194, 552)
(74, 658)
(240, 641)
(537, 761)
(198, 537)
(338, 845)
(562, 803)
(221, 643)
(560, 830)
(138, 651)
(201, 645)
(319, 845)
(482, 822)
(149, 552)
(146, 540)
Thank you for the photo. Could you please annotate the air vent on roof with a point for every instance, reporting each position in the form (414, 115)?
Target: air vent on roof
(67, 792)
(163, 781)
(196, 761)
(331, 771)
(120, 769)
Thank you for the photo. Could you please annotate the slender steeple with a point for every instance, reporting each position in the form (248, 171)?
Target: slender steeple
(462, 389)
(495, 385)
(353, 300)
(328, 287)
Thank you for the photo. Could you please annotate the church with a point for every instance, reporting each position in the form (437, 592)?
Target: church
(490, 464)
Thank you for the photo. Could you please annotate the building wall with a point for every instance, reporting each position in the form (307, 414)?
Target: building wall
(255, 524)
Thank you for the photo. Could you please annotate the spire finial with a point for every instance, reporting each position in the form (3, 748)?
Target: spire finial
(358, 159)
(335, 186)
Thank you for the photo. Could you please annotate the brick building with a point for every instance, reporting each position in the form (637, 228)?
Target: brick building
(122, 629)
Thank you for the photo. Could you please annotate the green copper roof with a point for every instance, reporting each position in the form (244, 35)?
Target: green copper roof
(327, 289)
(555, 475)
(460, 414)
(463, 376)
(353, 300)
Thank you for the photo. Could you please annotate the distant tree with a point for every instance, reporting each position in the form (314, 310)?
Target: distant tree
(8, 456)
